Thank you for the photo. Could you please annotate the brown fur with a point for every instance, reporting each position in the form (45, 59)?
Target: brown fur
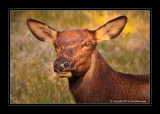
(91, 79)
(101, 84)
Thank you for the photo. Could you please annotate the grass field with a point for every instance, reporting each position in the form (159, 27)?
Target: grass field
(32, 79)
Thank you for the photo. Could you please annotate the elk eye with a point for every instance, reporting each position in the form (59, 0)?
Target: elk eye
(87, 43)
(55, 45)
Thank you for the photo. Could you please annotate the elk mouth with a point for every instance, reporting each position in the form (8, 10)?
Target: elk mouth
(64, 74)
(64, 71)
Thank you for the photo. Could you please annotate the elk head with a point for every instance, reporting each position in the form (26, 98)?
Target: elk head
(75, 47)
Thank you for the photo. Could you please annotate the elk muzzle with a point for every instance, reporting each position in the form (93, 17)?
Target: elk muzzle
(63, 67)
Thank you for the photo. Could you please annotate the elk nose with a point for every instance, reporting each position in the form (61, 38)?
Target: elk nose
(61, 66)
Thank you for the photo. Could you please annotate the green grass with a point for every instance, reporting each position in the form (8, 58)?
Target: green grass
(32, 79)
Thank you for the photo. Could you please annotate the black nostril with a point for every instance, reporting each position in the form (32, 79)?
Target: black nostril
(56, 66)
(60, 67)
(66, 64)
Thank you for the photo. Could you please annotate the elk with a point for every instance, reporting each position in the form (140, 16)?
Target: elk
(91, 79)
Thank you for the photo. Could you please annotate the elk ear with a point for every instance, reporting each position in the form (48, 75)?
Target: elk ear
(111, 29)
(42, 31)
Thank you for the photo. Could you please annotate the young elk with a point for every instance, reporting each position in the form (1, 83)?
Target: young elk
(91, 79)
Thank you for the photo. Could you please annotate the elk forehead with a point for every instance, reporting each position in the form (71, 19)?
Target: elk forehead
(72, 36)
(73, 33)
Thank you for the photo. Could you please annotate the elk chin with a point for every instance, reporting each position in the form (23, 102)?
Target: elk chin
(65, 74)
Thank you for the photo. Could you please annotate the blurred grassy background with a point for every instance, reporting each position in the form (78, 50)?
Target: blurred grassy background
(32, 79)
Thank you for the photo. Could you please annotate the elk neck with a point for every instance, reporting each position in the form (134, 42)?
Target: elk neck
(86, 84)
